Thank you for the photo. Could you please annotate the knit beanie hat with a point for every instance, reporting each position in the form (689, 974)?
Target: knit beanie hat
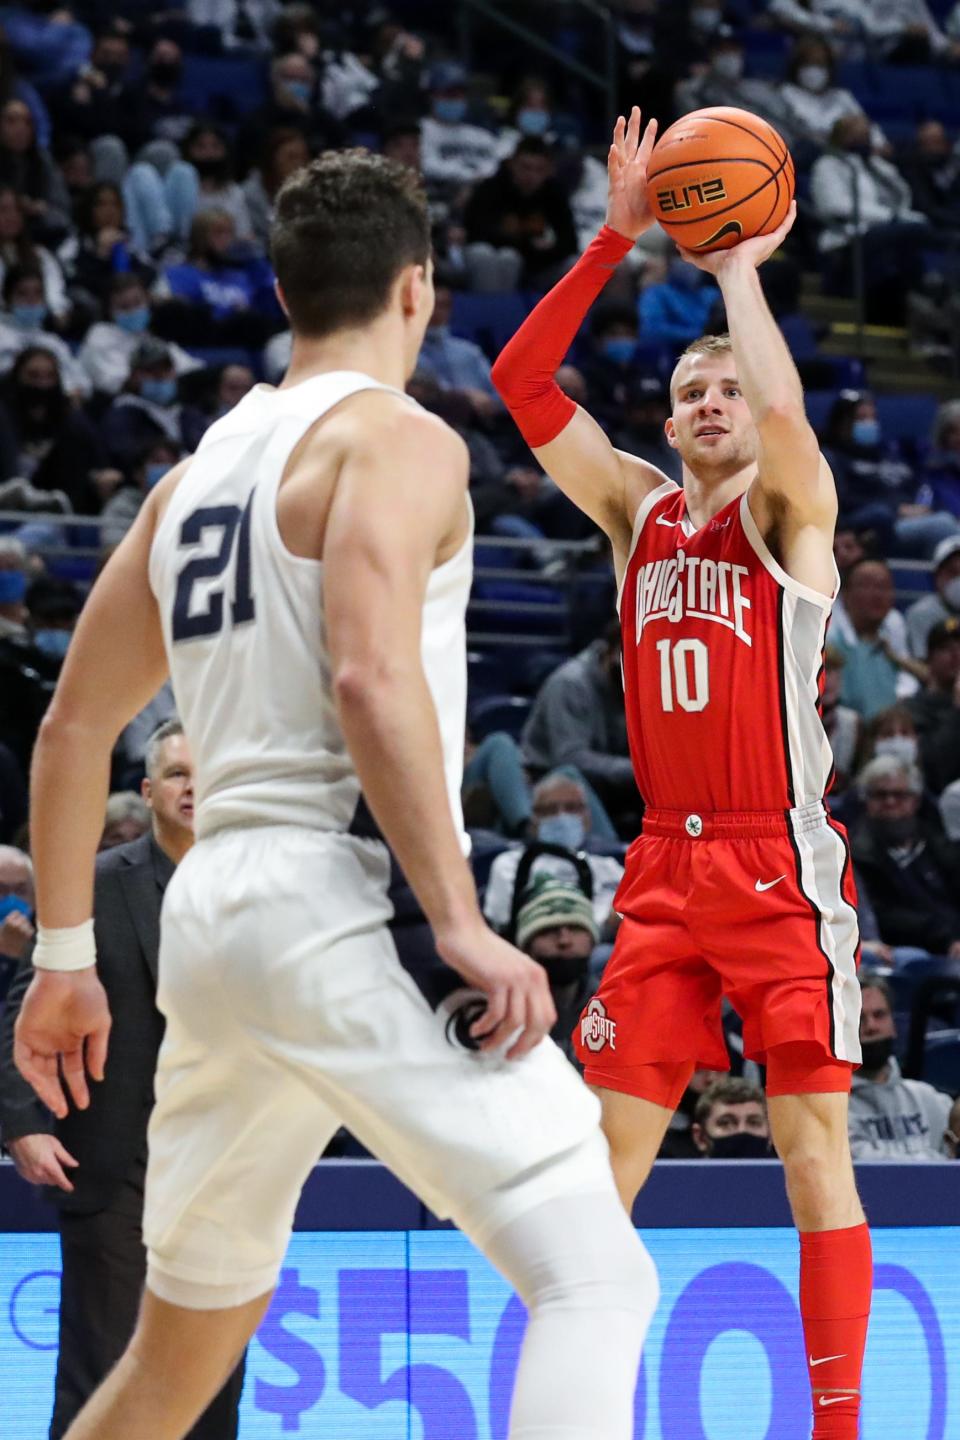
(550, 902)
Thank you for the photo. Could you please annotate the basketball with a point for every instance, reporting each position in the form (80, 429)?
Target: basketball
(719, 176)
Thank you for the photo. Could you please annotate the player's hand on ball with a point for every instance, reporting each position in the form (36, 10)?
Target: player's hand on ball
(628, 210)
(519, 1004)
(752, 252)
(65, 1021)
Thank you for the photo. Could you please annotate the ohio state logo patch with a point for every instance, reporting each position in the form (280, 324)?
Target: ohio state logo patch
(596, 1027)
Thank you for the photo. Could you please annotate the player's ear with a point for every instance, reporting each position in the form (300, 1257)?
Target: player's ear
(415, 283)
(699, 1137)
(670, 430)
(281, 298)
(146, 789)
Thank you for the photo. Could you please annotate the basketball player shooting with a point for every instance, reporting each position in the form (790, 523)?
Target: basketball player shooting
(740, 883)
(304, 579)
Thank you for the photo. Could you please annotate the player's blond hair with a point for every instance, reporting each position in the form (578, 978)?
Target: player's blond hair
(706, 345)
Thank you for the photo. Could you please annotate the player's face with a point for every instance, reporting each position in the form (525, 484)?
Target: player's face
(170, 793)
(711, 424)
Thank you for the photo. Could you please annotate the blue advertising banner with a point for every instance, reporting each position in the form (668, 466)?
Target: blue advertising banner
(410, 1335)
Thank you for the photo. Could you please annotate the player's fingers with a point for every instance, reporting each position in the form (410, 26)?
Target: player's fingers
(633, 132)
(97, 1050)
(530, 1036)
(62, 1153)
(492, 1015)
(514, 1019)
(75, 1076)
(40, 1071)
(648, 141)
(619, 131)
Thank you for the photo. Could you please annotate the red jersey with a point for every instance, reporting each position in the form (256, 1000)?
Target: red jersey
(722, 665)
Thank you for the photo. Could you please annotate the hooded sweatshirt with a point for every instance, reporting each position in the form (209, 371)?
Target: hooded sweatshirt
(897, 1119)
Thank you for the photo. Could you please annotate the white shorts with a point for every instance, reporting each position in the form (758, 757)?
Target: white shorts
(288, 1014)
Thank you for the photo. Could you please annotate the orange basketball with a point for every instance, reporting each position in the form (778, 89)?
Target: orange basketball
(719, 176)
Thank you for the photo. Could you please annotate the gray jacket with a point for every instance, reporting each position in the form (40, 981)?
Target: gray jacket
(577, 719)
(897, 1119)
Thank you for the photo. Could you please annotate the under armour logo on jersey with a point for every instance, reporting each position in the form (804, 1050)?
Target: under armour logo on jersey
(596, 1027)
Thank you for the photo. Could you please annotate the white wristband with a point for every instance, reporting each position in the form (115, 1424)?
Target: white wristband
(69, 949)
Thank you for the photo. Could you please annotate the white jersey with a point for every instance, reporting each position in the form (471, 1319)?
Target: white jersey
(243, 624)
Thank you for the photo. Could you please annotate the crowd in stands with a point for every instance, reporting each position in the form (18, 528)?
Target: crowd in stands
(141, 151)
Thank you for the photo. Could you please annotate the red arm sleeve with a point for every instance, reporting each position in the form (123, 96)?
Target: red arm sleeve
(523, 372)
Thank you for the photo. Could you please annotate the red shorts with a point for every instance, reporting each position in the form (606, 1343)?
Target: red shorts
(758, 907)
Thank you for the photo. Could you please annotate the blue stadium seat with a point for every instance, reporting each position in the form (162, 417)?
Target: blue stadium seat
(819, 404)
(213, 83)
(799, 335)
(906, 417)
(488, 320)
(499, 712)
(941, 1060)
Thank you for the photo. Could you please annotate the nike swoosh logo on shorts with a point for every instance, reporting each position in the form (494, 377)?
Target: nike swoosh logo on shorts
(825, 1358)
(836, 1399)
(672, 523)
(768, 885)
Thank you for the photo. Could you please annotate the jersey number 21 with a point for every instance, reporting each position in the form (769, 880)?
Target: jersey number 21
(234, 543)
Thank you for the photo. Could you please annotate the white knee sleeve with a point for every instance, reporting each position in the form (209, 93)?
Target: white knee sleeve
(591, 1288)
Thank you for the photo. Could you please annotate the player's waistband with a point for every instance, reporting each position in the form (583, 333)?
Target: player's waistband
(733, 824)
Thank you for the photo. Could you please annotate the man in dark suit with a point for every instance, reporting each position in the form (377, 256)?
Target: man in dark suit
(92, 1163)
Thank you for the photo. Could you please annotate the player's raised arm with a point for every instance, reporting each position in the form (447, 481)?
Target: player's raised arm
(399, 509)
(793, 481)
(605, 483)
(115, 665)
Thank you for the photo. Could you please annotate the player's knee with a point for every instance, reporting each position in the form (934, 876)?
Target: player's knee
(814, 1180)
(610, 1273)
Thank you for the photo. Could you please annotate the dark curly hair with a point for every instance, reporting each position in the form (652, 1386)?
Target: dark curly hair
(344, 227)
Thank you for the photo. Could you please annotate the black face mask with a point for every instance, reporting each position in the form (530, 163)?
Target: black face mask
(566, 969)
(210, 169)
(165, 73)
(876, 1053)
(113, 74)
(896, 832)
(742, 1146)
(39, 407)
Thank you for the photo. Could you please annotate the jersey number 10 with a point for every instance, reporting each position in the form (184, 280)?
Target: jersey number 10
(234, 527)
(684, 674)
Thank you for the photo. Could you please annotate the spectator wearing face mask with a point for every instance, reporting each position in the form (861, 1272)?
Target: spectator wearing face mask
(609, 366)
(556, 927)
(16, 248)
(731, 1123)
(891, 732)
(533, 112)
(206, 182)
(147, 408)
(813, 99)
(27, 166)
(454, 150)
(291, 104)
(677, 310)
(47, 442)
(154, 106)
(22, 321)
(891, 1118)
(910, 870)
(876, 485)
(724, 83)
(561, 816)
(17, 905)
(54, 607)
(123, 507)
(934, 703)
(943, 604)
(284, 150)
(109, 345)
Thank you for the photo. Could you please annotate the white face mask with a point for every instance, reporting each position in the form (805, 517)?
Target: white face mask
(813, 77)
(901, 747)
(951, 593)
(728, 66)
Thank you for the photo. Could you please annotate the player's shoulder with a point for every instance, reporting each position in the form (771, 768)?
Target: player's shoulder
(385, 423)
